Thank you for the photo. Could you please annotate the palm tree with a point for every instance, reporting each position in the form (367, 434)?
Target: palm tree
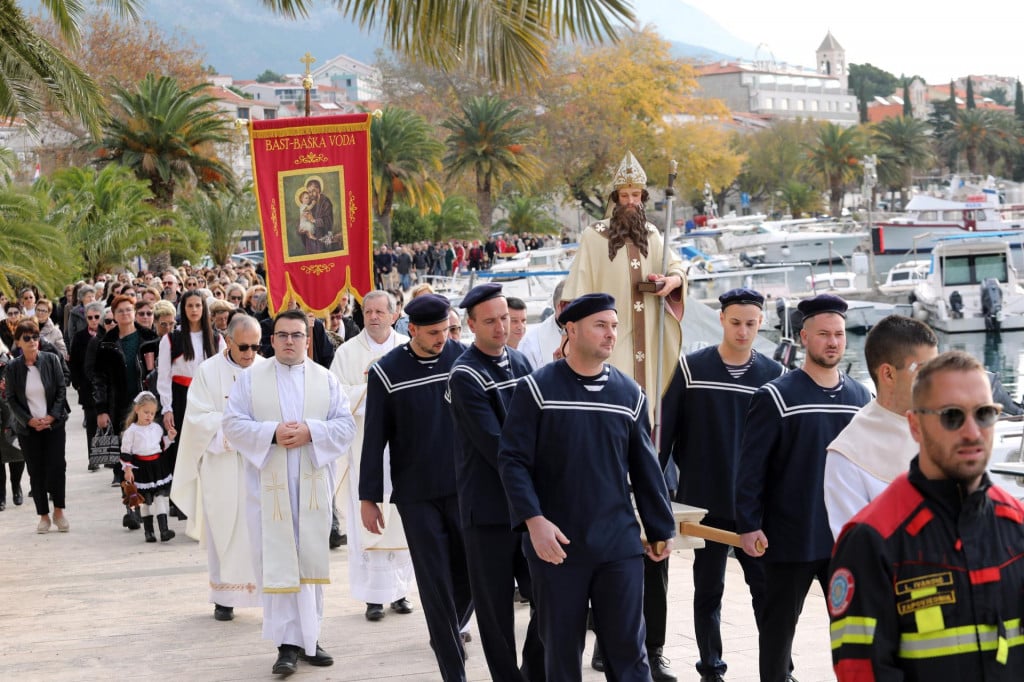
(166, 135)
(224, 216)
(906, 147)
(457, 218)
(34, 71)
(506, 40)
(488, 140)
(108, 215)
(800, 198)
(32, 249)
(835, 157)
(973, 135)
(527, 214)
(403, 153)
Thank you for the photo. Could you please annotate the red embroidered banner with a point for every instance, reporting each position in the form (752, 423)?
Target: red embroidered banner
(312, 184)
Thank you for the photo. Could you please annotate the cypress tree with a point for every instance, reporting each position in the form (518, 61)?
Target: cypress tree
(970, 94)
(1018, 103)
(908, 110)
(862, 103)
(952, 97)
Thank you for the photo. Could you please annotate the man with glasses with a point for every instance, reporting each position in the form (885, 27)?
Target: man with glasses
(171, 287)
(291, 421)
(926, 580)
(208, 465)
(780, 506)
(877, 446)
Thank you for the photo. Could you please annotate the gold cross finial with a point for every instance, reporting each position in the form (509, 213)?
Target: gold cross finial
(307, 59)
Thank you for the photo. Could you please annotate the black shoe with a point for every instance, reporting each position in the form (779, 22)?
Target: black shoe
(177, 513)
(597, 660)
(3, 503)
(321, 658)
(401, 606)
(374, 612)
(287, 660)
(131, 521)
(94, 467)
(165, 533)
(222, 612)
(660, 670)
(466, 637)
(712, 677)
(147, 521)
(790, 678)
(18, 497)
(337, 539)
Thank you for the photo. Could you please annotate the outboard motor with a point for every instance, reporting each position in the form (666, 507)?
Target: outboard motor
(991, 304)
(790, 322)
(956, 305)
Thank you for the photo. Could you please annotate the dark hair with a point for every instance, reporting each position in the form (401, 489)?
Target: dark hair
(291, 315)
(950, 361)
(314, 182)
(515, 303)
(614, 197)
(209, 339)
(894, 338)
(26, 326)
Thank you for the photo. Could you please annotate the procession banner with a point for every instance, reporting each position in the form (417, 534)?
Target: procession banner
(312, 184)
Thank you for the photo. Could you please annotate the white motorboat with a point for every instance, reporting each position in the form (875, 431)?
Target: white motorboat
(787, 241)
(972, 286)
(963, 210)
(903, 277)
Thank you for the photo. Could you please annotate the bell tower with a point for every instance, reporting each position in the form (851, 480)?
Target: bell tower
(831, 60)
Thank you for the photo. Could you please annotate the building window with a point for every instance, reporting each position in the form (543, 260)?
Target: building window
(243, 112)
(348, 82)
(783, 104)
(800, 104)
(269, 114)
(769, 103)
(814, 105)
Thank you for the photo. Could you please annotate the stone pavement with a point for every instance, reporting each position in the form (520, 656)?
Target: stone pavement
(98, 602)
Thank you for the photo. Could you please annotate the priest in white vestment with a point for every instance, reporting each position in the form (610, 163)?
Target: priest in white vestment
(379, 566)
(876, 446)
(291, 421)
(209, 476)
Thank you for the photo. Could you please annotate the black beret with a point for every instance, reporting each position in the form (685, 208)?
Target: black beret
(822, 303)
(481, 293)
(741, 296)
(584, 306)
(427, 309)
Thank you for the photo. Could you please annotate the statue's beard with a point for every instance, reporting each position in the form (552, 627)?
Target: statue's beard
(627, 222)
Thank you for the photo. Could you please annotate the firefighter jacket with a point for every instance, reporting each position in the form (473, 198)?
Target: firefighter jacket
(927, 583)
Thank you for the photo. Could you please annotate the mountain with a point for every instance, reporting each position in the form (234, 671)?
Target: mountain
(243, 38)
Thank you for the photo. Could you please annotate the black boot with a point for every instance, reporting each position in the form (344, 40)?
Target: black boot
(147, 523)
(131, 519)
(165, 533)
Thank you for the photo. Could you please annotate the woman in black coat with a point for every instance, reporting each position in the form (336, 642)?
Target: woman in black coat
(35, 389)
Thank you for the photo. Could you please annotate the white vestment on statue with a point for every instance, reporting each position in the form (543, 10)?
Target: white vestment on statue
(591, 271)
(209, 485)
(379, 566)
(288, 617)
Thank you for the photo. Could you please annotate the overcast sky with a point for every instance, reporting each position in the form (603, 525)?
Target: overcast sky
(936, 40)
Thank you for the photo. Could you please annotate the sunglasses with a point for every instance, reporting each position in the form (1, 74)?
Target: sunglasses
(234, 298)
(246, 347)
(109, 320)
(29, 337)
(953, 418)
(93, 317)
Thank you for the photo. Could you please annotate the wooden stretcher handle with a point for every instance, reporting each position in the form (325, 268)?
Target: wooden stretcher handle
(724, 537)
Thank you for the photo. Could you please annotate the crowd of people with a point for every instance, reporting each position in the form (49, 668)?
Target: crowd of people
(489, 474)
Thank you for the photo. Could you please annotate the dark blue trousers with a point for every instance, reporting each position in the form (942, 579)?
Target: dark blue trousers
(708, 588)
(433, 531)
(494, 553)
(787, 584)
(615, 591)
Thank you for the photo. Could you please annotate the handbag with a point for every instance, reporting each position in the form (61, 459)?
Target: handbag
(105, 447)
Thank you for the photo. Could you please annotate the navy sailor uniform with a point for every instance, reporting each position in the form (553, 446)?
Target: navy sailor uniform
(569, 450)
(780, 490)
(703, 412)
(480, 388)
(405, 409)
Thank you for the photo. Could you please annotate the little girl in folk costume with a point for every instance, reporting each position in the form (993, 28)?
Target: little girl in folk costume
(141, 458)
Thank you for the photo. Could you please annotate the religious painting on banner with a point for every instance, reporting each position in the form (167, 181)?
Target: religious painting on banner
(312, 184)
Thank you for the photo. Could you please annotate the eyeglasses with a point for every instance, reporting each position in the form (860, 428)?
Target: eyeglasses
(42, 310)
(953, 418)
(285, 336)
(246, 347)
(29, 337)
(234, 298)
(109, 320)
(144, 313)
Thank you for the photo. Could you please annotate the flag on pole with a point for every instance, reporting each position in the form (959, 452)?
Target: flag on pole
(35, 176)
(312, 184)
